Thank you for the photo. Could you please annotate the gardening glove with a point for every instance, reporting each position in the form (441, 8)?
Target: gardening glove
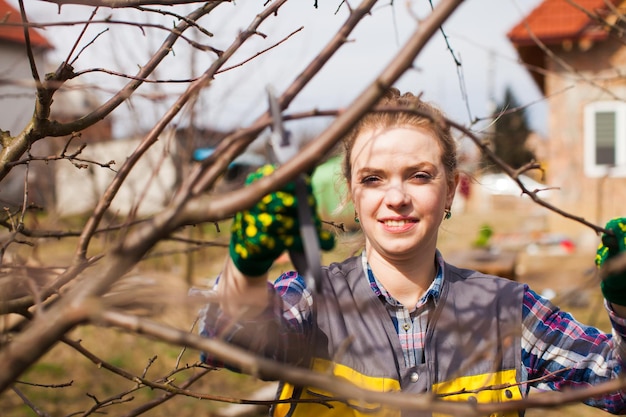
(260, 234)
(614, 286)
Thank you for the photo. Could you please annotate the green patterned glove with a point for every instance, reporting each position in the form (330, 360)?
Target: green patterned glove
(261, 234)
(614, 286)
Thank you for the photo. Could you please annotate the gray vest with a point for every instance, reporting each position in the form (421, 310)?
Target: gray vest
(472, 341)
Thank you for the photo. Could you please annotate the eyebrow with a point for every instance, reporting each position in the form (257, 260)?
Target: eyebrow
(369, 171)
(415, 167)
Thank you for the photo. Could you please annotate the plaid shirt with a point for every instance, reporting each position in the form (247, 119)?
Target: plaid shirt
(410, 325)
(557, 352)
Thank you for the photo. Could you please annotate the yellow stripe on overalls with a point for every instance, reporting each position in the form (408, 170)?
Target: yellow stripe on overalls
(494, 387)
(486, 388)
(355, 408)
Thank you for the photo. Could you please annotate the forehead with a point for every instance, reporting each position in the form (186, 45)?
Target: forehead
(395, 145)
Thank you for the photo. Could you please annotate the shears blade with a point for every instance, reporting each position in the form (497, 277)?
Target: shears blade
(308, 264)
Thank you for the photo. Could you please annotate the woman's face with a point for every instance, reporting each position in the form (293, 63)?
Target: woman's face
(400, 190)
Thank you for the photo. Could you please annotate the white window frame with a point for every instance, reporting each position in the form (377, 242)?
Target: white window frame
(592, 169)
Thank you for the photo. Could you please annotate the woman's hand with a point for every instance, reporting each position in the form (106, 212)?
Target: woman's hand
(614, 285)
(261, 234)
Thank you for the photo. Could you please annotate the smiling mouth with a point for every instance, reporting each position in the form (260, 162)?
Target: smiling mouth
(397, 223)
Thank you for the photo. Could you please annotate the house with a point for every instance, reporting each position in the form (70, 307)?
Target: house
(17, 86)
(17, 95)
(576, 54)
(17, 104)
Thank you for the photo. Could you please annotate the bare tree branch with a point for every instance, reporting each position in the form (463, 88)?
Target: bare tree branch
(88, 287)
(128, 3)
(41, 127)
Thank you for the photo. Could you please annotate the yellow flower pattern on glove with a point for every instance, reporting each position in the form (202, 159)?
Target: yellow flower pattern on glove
(259, 235)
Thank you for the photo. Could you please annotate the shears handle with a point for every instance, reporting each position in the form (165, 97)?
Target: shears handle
(308, 264)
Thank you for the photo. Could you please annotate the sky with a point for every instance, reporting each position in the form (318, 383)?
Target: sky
(476, 34)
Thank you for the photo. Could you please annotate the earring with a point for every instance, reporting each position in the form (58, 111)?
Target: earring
(356, 217)
(448, 214)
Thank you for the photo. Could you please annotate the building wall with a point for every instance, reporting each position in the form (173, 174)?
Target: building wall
(146, 190)
(17, 103)
(17, 91)
(595, 78)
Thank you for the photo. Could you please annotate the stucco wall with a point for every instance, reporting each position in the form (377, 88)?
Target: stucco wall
(146, 190)
(17, 102)
(17, 91)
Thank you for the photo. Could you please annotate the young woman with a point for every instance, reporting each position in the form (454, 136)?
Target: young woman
(397, 316)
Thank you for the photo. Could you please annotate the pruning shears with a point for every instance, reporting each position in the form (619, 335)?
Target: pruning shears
(308, 264)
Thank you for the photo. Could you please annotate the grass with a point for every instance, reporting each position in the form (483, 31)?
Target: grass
(64, 383)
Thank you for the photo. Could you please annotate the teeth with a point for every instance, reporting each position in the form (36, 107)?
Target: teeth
(395, 223)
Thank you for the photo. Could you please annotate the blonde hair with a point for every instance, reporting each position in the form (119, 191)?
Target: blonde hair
(418, 114)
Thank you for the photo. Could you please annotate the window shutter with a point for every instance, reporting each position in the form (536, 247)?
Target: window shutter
(605, 139)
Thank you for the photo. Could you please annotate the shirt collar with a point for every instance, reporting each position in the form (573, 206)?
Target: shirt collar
(433, 292)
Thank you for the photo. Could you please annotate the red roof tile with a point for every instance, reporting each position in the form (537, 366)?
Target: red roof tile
(16, 33)
(557, 20)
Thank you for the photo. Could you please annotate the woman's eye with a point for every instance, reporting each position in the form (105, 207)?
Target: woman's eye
(370, 179)
(422, 176)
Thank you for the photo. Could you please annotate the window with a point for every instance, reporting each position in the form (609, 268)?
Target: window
(605, 139)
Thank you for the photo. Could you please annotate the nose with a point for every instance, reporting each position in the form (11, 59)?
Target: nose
(396, 196)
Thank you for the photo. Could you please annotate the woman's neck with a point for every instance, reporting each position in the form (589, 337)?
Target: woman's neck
(405, 280)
